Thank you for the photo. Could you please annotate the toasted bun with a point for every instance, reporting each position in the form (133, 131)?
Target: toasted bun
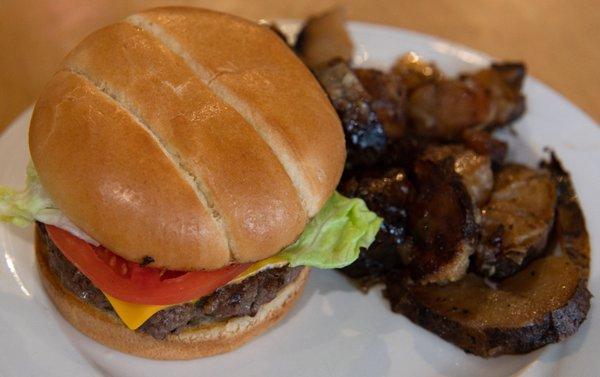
(207, 340)
(193, 137)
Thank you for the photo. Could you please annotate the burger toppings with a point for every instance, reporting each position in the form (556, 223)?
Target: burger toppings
(137, 291)
(237, 298)
(332, 239)
(133, 315)
(130, 282)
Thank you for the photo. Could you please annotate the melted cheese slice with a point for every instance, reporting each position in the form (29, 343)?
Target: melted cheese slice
(265, 264)
(134, 315)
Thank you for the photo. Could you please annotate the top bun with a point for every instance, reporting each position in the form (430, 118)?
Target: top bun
(192, 137)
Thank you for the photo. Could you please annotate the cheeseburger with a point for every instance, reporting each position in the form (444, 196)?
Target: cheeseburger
(182, 182)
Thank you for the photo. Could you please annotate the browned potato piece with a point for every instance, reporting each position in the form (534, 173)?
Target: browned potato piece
(569, 225)
(542, 304)
(445, 109)
(414, 71)
(474, 169)
(482, 142)
(517, 221)
(502, 82)
(387, 194)
(389, 98)
(365, 136)
(441, 224)
(324, 38)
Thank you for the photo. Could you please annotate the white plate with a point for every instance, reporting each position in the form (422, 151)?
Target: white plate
(334, 330)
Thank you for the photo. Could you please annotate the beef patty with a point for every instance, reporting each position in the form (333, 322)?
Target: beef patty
(234, 300)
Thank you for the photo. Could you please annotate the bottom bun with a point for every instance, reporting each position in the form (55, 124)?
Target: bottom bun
(201, 341)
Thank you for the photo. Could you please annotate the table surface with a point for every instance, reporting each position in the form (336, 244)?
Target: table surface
(559, 40)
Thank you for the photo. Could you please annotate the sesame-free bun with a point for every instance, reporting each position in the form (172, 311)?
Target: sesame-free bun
(193, 137)
(201, 341)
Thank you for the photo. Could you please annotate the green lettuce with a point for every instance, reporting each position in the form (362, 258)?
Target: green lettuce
(334, 237)
(22, 208)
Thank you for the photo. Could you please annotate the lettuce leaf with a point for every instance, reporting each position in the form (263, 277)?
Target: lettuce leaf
(21, 208)
(334, 237)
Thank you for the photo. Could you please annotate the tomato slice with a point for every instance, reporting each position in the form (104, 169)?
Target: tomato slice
(130, 282)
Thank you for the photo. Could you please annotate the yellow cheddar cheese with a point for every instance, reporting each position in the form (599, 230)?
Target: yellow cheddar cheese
(265, 264)
(133, 315)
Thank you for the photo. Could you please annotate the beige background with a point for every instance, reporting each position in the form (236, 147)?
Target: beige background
(559, 40)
